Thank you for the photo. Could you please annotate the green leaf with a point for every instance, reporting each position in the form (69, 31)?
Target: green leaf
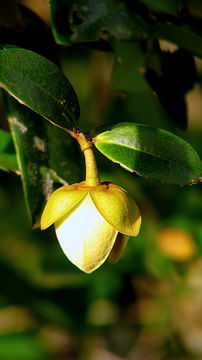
(8, 159)
(21, 346)
(183, 35)
(141, 104)
(89, 21)
(28, 135)
(166, 6)
(39, 84)
(129, 69)
(147, 109)
(44, 153)
(59, 20)
(151, 152)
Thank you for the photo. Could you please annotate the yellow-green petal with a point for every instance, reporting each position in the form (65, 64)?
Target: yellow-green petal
(61, 201)
(118, 248)
(118, 208)
(85, 236)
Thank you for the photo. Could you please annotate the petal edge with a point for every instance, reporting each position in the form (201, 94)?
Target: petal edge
(118, 208)
(61, 201)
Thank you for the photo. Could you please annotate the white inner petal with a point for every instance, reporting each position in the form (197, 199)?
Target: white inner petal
(85, 236)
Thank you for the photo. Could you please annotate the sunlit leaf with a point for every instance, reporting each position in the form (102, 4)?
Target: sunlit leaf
(151, 152)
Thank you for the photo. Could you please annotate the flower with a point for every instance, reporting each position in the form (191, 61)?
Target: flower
(92, 222)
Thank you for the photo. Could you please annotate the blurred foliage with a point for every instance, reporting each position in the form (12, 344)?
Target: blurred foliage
(148, 305)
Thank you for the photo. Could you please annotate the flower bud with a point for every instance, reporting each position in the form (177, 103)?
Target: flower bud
(92, 222)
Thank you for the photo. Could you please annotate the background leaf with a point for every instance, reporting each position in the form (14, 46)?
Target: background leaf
(39, 84)
(10, 15)
(21, 346)
(166, 6)
(81, 21)
(45, 153)
(151, 152)
(129, 68)
(148, 81)
(89, 21)
(185, 36)
(130, 75)
(8, 159)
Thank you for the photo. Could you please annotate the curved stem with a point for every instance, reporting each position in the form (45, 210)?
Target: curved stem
(92, 176)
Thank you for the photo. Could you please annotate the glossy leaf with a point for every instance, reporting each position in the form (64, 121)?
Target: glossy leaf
(151, 152)
(8, 159)
(90, 21)
(39, 84)
(44, 153)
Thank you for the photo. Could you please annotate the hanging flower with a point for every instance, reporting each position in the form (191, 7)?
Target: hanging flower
(93, 219)
(92, 222)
